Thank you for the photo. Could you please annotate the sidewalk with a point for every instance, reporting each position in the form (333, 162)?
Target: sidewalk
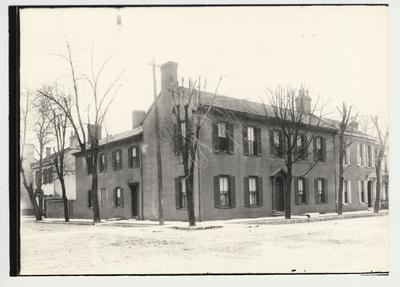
(312, 217)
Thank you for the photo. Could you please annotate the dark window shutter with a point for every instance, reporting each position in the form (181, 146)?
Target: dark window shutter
(323, 145)
(316, 190)
(232, 191)
(258, 139)
(231, 144)
(315, 151)
(305, 149)
(114, 197)
(245, 144)
(137, 158)
(122, 197)
(282, 144)
(177, 192)
(246, 192)
(105, 162)
(271, 143)
(325, 182)
(260, 191)
(130, 161)
(120, 159)
(296, 190)
(217, 200)
(307, 191)
(89, 198)
(113, 160)
(215, 137)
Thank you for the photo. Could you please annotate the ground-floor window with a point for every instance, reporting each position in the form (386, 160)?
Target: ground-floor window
(301, 190)
(118, 197)
(321, 190)
(252, 191)
(346, 192)
(103, 197)
(224, 191)
(362, 198)
(181, 194)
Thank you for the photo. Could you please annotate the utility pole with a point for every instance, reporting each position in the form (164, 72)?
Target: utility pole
(158, 151)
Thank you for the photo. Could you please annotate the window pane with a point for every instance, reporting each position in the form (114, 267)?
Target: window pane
(133, 151)
(223, 184)
(183, 128)
(300, 184)
(222, 130)
(276, 138)
(318, 139)
(319, 182)
(252, 184)
(183, 185)
(250, 133)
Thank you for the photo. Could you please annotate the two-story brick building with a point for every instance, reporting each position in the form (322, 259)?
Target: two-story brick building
(243, 174)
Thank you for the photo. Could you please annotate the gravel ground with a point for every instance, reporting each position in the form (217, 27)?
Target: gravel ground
(350, 245)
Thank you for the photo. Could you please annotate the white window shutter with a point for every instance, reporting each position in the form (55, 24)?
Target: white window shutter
(358, 155)
(349, 190)
(359, 191)
(365, 155)
(365, 191)
(348, 155)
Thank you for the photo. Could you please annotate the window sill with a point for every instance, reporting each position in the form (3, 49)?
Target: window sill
(254, 206)
(223, 153)
(253, 155)
(181, 208)
(225, 207)
(321, 203)
(133, 167)
(301, 203)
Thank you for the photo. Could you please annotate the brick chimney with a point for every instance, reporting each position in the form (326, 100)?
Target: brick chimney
(303, 102)
(137, 118)
(92, 129)
(169, 76)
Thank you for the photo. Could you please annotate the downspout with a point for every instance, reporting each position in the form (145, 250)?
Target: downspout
(141, 184)
(335, 173)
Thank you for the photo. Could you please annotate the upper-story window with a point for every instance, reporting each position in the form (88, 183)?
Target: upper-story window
(361, 154)
(346, 158)
(117, 159)
(223, 137)
(251, 141)
(103, 162)
(319, 148)
(301, 147)
(133, 155)
(276, 143)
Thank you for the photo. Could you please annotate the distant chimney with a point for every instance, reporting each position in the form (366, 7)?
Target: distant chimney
(353, 124)
(92, 132)
(169, 76)
(48, 151)
(137, 118)
(73, 140)
(303, 102)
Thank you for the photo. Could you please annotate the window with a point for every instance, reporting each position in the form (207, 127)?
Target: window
(362, 189)
(320, 190)
(224, 191)
(360, 154)
(301, 147)
(103, 197)
(251, 141)
(117, 160)
(183, 129)
(346, 192)
(319, 148)
(223, 137)
(103, 163)
(118, 197)
(369, 156)
(276, 142)
(346, 154)
(181, 195)
(90, 201)
(253, 198)
(133, 154)
(301, 194)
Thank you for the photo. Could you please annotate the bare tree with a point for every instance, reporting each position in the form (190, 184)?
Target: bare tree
(295, 121)
(383, 135)
(96, 112)
(28, 182)
(345, 116)
(191, 109)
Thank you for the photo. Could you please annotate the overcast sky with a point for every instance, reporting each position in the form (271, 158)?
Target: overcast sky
(339, 53)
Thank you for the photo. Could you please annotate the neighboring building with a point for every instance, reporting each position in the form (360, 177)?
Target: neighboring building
(52, 204)
(27, 158)
(244, 174)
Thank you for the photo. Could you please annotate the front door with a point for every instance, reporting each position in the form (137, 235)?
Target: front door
(369, 194)
(134, 199)
(279, 194)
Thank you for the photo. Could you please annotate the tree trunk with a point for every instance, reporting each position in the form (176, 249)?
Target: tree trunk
(190, 200)
(92, 162)
(288, 189)
(65, 200)
(31, 194)
(378, 183)
(341, 178)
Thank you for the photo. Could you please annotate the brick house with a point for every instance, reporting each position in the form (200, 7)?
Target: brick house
(243, 176)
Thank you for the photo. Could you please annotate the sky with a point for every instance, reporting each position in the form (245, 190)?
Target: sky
(339, 53)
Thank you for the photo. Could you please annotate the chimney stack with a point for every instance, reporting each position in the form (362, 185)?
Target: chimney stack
(93, 131)
(48, 151)
(169, 76)
(137, 118)
(303, 102)
(354, 125)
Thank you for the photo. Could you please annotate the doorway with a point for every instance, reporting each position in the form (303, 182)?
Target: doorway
(369, 193)
(279, 191)
(134, 199)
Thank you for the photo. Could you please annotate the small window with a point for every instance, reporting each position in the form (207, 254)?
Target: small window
(103, 163)
(253, 191)
(103, 197)
(319, 148)
(369, 156)
(276, 143)
(222, 137)
(346, 192)
(133, 153)
(347, 154)
(117, 160)
(320, 189)
(301, 193)
(183, 129)
(118, 197)
(301, 147)
(182, 193)
(224, 191)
